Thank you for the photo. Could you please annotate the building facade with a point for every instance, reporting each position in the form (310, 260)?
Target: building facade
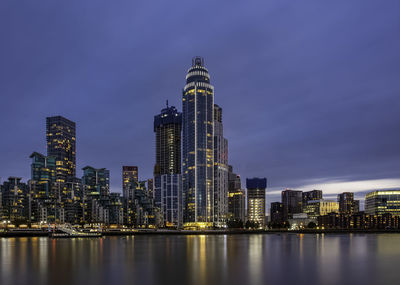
(96, 181)
(61, 144)
(14, 198)
(236, 197)
(220, 170)
(276, 213)
(316, 208)
(347, 204)
(256, 188)
(198, 145)
(129, 174)
(168, 129)
(167, 181)
(292, 202)
(383, 202)
(311, 195)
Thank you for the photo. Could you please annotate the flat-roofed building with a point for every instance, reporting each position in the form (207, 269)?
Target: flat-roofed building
(383, 202)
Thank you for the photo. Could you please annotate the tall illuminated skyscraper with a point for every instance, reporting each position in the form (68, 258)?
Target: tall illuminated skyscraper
(61, 143)
(198, 145)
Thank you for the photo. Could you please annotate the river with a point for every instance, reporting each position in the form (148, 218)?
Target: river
(199, 259)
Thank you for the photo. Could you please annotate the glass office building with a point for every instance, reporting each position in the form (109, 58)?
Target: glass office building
(198, 145)
(383, 202)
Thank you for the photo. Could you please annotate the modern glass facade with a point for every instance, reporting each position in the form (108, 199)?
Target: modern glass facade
(168, 198)
(43, 172)
(383, 202)
(198, 145)
(61, 144)
(220, 170)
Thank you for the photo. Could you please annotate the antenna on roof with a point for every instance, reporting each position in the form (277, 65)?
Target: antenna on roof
(167, 103)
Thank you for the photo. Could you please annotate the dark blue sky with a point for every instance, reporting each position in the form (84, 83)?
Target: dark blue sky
(310, 89)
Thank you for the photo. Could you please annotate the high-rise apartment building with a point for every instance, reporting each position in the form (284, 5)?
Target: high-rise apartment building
(347, 204)
(167, 170)
(61, 144)
(198, 145)
(292, 201)
(256, 188)
(220, 170)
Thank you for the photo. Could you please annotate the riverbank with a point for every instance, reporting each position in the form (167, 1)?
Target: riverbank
(40, 233)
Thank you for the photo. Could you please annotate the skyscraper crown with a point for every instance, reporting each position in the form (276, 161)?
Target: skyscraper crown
(197, 72)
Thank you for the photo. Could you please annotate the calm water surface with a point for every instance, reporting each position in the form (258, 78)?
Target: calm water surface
(216, 259)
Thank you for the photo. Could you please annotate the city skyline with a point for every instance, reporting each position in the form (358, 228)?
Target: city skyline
(295, 112)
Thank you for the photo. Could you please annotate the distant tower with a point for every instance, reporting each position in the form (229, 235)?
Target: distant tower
(198, 145)
(220, 170)
(167, 171)
(61, 144)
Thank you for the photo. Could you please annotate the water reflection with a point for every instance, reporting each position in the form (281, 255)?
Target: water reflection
(215, 259)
